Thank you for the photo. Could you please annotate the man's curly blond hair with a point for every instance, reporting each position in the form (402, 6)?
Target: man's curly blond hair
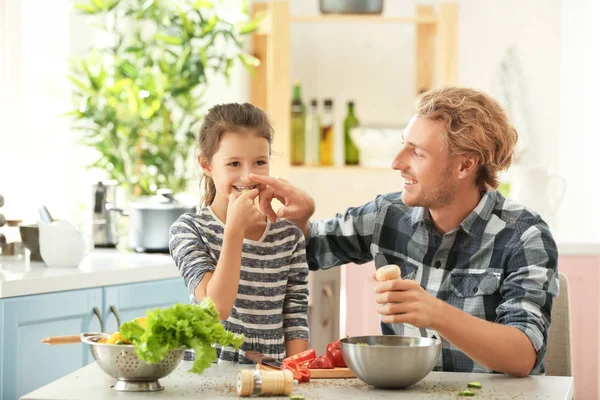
(474, 123)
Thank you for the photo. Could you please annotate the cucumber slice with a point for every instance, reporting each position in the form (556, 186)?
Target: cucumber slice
(466, 392)
(475, 385)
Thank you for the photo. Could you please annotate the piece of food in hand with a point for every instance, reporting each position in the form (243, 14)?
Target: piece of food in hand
(387, 273)
(322, 362)
(334, 353)
(302, 357)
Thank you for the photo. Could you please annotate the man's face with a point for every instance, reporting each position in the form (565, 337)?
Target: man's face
(423, 160)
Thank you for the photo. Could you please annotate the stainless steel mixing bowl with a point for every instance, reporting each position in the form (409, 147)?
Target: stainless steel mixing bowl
(122, 363)
(390, 362)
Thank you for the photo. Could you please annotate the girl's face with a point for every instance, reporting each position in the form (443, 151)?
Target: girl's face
(239, 154)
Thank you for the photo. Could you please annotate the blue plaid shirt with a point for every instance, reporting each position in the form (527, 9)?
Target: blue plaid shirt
(500, 264)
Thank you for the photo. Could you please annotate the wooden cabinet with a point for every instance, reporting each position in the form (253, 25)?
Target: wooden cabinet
(26, 364)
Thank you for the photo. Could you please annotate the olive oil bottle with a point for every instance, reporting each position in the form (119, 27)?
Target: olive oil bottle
(327, 133)
(351, 153)
(297, 128)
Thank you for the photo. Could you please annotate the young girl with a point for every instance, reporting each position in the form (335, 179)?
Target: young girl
(254, 271)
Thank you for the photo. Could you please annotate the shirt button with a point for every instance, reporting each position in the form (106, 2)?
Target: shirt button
(437, 264)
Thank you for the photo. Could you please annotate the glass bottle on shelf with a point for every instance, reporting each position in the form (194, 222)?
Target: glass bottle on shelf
(313, 134)
(351, 152)
(297, 128)
(327, 133)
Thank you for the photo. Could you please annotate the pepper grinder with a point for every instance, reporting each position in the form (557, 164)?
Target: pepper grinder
(264, 383)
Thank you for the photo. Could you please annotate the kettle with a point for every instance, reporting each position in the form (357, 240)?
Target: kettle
(104, 222)
(540, 190)
(62, 244)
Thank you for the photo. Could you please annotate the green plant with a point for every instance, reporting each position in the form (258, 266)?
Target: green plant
(139, 100)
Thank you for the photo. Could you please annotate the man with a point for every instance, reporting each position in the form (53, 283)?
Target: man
(477, 269)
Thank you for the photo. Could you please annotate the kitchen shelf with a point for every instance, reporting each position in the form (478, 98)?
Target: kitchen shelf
(436, 64)
(354, 18)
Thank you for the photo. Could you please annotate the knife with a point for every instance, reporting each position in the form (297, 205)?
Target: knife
(261, 359)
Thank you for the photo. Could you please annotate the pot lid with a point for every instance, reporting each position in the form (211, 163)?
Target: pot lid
(163, 200)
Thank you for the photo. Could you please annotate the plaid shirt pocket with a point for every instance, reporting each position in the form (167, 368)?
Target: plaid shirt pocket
(469, 283)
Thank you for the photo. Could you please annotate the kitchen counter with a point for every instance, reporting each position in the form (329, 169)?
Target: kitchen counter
(218, 382)
(19, 277)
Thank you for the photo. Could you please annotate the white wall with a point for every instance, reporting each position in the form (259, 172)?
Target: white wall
(579, 128)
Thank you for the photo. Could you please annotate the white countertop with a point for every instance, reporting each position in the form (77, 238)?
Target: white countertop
(19, 277)
(218, 382)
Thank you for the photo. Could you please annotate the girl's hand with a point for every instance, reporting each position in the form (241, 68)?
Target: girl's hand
(242, 214)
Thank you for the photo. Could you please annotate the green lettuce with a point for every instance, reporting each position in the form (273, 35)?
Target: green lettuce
(184, 325)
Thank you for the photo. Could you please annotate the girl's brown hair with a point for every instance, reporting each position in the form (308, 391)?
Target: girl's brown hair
(474, 124)
(232, 117)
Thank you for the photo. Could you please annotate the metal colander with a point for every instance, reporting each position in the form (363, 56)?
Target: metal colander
(122, 363)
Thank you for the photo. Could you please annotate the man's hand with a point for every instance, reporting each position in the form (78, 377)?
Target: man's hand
(405, 301)
(298, 205)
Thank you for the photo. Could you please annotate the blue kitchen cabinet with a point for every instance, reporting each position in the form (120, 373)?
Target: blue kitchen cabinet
(124, 303)
(27, 364)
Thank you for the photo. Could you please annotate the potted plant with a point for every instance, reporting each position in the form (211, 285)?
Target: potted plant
(138, 100)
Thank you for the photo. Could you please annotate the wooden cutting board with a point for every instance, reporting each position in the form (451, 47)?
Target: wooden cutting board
(334, 373)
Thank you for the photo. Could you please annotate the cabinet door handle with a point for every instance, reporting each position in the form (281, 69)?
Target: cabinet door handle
(99, 315)
(328, 292)
(114, 310)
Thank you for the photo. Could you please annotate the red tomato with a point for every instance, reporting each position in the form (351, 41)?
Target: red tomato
(334, 353)
(322, 362)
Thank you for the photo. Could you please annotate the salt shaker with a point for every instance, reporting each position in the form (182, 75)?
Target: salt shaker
(264, 383)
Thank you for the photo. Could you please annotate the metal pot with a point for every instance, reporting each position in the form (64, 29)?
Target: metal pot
(150, 219)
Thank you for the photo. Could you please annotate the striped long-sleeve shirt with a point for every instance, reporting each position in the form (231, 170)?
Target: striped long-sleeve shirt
(500, 264)
(272, 301)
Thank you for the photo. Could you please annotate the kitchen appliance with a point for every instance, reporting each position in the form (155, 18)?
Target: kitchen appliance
(62, 245)
(150, 219)
(351, 6)
(390, 362)
(122, 363)
(104, 222)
